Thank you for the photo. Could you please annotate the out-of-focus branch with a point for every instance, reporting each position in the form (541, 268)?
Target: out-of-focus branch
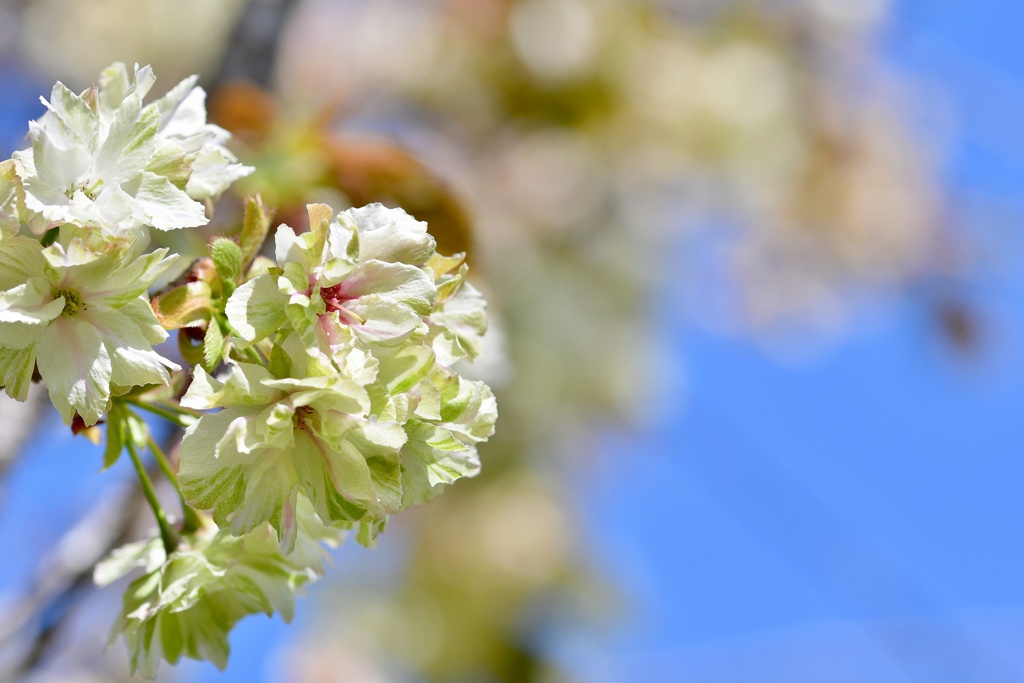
(63, 577)
(253, 47)
(18, 420)
(29, 625)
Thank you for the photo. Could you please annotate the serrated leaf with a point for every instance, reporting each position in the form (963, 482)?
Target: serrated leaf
(227, 259)
(255, 226)
(184, 306)
(213, 346)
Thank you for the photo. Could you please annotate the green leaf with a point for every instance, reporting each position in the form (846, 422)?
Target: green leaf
(227, 259)
(115, 435)
(255, 226)
(213, 346)
(184, 306)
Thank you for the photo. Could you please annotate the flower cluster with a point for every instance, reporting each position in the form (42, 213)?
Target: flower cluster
(101, 171)
(187, 601)
(357, 407)
(329, 370)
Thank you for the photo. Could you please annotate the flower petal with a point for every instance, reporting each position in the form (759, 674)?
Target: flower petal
(76, 369)
(168, 207)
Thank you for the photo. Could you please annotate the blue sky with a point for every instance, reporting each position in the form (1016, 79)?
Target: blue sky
(851, 516)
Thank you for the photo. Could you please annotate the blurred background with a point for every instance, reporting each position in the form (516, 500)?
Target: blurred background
(757, 313)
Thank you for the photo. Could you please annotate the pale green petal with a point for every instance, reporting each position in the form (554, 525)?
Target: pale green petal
(459, 326)
(129, 143)
(21, 259)
(168, 207)
(115, 211)
(132, 358)
(402, 369)
(385, 321)
(389, 235)
(288, 248)
(119, 282)
(271, 486)
(32, 304)
(468, 409)
(76, 369)
(12, 200)
(245, 385)
(212, 471)
(333, 392)
(59, 160)
(182, 110)
(114, 84)
(404, 284)
(433, 458)
(387, 483)
(20, 335)
(428, 401)
(16, 366)
(342, 251)
(147, 555)
(213, 170)
(141, 313)
(203, 392)
(169, 160)
(77, 120)
(257, 308)
(354, 361)
(76, 253)
(336, 481)
(448, 459)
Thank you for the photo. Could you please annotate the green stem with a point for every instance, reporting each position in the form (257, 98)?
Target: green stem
(170, 413)
(189, 515)
(254, 355)
(167, 534)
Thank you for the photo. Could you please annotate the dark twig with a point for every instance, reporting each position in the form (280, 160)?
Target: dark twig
(252, 51)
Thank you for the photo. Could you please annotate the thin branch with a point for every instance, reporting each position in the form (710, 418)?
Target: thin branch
(167, 534)
(252, 51)
(64, 577)
(62, 571)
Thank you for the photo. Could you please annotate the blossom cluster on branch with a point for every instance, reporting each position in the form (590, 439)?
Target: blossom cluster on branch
(321, 390)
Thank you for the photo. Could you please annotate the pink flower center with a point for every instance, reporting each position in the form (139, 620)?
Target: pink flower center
(335, 297)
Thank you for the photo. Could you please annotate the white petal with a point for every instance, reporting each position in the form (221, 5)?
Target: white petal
(76, 369)
(168, 207)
